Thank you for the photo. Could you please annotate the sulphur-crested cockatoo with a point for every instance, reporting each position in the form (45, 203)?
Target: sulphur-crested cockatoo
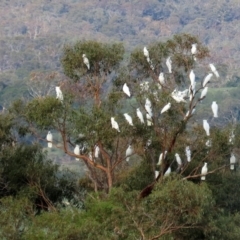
(59, 93)
(166, 108)
(206, 127)
(215, 109)
(126, 90)
(140, 115)
(145, 52)
(214, 70)
(114, 124)
(148, 107)
(86, 61)
(169, 64)
(204, 93)
(149, 120)
(194, 48)
(77, 151)
(167, 173)
(128, 119)
(49, 139)
(161, 78)
(207, 79)
(129, 152)
(161, 157)
(178, 159)
(232, 161)
(204, 171)
(96, 151)
(188, 153)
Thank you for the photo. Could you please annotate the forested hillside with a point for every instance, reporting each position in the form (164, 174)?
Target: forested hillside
(33, 33)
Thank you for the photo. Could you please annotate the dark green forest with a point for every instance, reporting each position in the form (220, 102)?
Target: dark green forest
(163, 176)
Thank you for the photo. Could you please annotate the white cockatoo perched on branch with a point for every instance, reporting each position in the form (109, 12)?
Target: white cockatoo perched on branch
(59, 93)
(145, 52)
(177, 96)
(207, 79)
(178, 159)
(129, 152)
(161, 78)
(128, 119)
(96, 151)
(215, 109)
(148, 107)
(126, 90)
(204, 93)
(204, 171)
(188, 153)
(49, 139)
(149, 120)
(77, 151)
(140, 115)
(86, 61)
(114, 124)
(169, 64)
(166, 108)
(232, 161)
(161, 157)
(206, 127)
(194, 50)
(167, 173)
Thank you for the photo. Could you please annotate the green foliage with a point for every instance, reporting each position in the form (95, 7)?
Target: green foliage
(102, 58)
(15, 216)
(45, 112)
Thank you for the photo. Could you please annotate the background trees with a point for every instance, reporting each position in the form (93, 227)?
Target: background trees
(180, 205)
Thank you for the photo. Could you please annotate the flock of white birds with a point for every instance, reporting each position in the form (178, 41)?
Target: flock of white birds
(178, 96)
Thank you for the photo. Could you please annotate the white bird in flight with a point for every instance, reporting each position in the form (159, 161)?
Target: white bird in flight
(140, 115)
(126, 90)
(59, 93)
(188, 153)
(114, 124)
(129, 152)
(215, 109)
(207, 79)
(49, 139)
(232, 161)
(166, 108)
(204, 93)
(86, 61)
(128, 118)
(214, 70)
(169, 64)
(206, 127)
(77, 151)
(204, 171)
(178, 159)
